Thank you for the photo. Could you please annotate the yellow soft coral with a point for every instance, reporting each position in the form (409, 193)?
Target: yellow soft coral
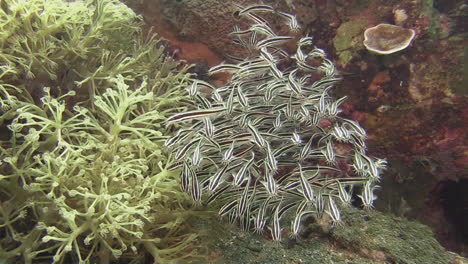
(85, 177)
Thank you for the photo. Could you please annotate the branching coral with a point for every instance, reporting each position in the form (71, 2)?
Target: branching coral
(271, 141)
(98, 182)
(86, 178)
(63, 43)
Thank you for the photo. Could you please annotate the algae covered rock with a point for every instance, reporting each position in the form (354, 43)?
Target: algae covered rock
(389, 239)
(369, 237)
(347, 39)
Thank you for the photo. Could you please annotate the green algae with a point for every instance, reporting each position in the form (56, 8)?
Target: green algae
(364, 237)
(230, 246)
(399, 240)
(347, 40)
(431, 13)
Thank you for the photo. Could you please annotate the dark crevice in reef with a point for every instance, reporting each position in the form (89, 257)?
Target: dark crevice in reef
(452, 197)
(445, 5)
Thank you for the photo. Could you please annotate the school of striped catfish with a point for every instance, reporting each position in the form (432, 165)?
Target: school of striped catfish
(269, 146)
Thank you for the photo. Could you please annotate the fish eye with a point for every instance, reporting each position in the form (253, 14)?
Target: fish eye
(236, 15)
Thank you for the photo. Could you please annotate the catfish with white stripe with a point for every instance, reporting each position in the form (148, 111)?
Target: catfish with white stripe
(359, 165)
(205, 84)
(267, 55)
(293, 84)
(278, 123)
(271, 161)
(242, 174)
(296, 223)
(332, 109)
(183, 151)
(373, 171)
(216, 96)
(256, 19)
(230, 103)
(246, 219)
(239, 41)
(227, 156)
(223, 68)
(195, 190)
(268, 96)
(193, 89)
(185, 178)
(344, 195)
(315, 119)
(254, 38)
(263, 29)
(275, 72)
(341, 134)
(292, 21)
(322, 107)
(237, 31)
(227, 208)
(272, 41)
(241, 97)
(216, 179)
(254, 8)
(299, 56)
(333, 211)
(328, 67)
(289, 112)
(242, 204)
(219, 192)
(196, 114)
(270, 184)
(305, 150)
(367, 196)
(283, 150)
(253, 68)
(258, 139)
(196, 156)
(319, 205)
(179, 137)
(356, 128)
(260, 219)
(305, 41)
(329, 153)
(296, 138)
(317, 53)
(276, 227)
(307, 190)
(204, 102)
(305, 66)
(209, 128)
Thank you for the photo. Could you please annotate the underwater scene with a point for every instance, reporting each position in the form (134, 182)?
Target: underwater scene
(233, 132)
